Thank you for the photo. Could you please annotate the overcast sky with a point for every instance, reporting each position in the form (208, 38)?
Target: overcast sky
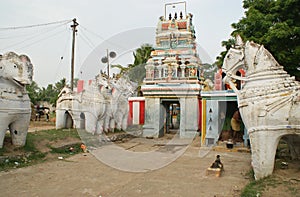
(117, 25)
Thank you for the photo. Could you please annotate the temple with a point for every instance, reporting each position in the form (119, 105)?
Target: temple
(171, 87)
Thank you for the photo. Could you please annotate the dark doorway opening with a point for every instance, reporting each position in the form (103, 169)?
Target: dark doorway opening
(171, 117)
(82, 121)
(68, 120)
(228, 133)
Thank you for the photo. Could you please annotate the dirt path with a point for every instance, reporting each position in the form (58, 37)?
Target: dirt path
(84, 175)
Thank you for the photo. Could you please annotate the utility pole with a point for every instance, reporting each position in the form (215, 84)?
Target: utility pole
(107, 63)
(73, 26)
(105, 59)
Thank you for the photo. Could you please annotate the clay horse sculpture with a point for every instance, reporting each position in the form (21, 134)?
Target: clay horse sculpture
(269, 103)
(15, 72)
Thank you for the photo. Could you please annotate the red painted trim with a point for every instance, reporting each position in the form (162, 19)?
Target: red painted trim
(200, 114)
(130, 113)
(142, 112)
(80, 86)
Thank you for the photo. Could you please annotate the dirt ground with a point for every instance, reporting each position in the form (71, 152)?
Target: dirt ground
(84, 175)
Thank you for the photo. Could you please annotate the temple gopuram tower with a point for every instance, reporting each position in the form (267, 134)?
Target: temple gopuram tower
(171, 87)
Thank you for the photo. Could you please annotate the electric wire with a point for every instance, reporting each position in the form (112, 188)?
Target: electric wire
(62, 56)
(87, 38)
(78, 60)
(42, 39)
(105, 40)
(91, 32)
(86, 42)
(31, 26)
(47, 31)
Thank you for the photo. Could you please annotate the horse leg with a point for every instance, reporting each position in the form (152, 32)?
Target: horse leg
(99, 127)
(124, 122)
(91, 123)
(118, 120)
(106, 121)
(18, 130)
(3, 129)
(263, 148)
(112, 125)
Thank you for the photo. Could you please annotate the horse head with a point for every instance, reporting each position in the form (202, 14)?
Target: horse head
(258, 59)
(252, 57)
(234, 60)
(124, 87)
(16, 68)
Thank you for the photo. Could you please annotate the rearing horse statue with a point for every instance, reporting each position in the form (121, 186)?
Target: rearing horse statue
(269, 103)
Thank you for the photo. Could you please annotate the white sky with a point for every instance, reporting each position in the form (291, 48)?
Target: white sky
(117, 25)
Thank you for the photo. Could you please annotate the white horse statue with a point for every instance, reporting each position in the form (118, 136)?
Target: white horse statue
(122, 89)
(15, 72)
(269, 103)
(103, 104)
(93, 103)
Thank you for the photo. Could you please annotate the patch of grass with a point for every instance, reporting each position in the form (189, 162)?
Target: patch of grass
(53, 134)
(21, 160)
(2, 151)
(30, 154)
(256, 188)
(67, 150)
(29, 146)
(292, 190)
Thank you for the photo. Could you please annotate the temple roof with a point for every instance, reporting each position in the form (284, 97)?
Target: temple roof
(175, 56)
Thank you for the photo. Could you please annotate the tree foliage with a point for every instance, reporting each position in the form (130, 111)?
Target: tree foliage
(136, 71)
(227, 44)
(142, 54)
(33, 92)
(49, 94)
(276, 25)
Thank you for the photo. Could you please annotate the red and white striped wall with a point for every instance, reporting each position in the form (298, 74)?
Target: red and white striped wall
(136, 114)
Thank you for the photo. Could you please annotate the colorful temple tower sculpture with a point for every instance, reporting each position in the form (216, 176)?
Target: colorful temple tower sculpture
(172, 84)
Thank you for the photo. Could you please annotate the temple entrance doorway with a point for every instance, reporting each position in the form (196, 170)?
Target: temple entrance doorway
(171, 117)
(228, 126)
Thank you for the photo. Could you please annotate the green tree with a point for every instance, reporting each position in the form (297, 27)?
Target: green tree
(33, 92)
(49, 94)
(57, 89)
(142, 54)
(227, 44)
(60, 85)
(122, 69)
(276, 25)
(136, 71)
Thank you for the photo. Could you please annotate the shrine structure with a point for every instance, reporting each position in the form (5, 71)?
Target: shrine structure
(171, 87)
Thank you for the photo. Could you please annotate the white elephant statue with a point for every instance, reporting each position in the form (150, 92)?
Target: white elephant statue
(269, 103)
(16, 72)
